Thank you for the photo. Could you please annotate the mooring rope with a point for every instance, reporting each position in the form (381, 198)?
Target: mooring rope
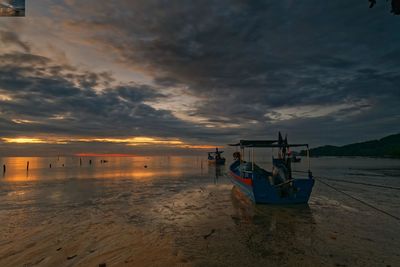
(360, 183)
(357, 199)
(374, 185)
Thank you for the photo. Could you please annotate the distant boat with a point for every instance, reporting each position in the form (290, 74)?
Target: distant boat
(277, 186)
(216, 158)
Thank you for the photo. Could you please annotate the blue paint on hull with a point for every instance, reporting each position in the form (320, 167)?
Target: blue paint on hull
(261, 191)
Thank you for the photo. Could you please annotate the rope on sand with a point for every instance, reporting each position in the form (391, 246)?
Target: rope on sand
(351, 182)
(320, 179)
(360, 183)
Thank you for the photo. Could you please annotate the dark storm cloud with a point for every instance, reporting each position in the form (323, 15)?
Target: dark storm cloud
(248, 58)
(41, 98)
(11, 38)
(256, 67)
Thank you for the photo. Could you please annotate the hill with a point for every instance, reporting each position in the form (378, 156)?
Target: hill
(388, 146)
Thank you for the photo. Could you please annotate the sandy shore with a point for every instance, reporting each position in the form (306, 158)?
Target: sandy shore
(187, 220)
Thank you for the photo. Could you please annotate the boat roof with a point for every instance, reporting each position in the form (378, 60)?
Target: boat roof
(219, 152)
(265, 143)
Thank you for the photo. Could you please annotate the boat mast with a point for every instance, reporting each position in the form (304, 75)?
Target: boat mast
(309, 162)
(252, 162)
(240, 160)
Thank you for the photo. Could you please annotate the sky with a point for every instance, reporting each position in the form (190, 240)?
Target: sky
(157, 76)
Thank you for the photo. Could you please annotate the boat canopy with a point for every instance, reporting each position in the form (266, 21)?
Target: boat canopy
(265, 143)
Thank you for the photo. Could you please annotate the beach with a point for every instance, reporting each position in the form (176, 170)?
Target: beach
(180, 211)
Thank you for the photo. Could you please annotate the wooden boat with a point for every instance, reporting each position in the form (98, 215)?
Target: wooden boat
(12, 8)
(216, 158)
(277, 186)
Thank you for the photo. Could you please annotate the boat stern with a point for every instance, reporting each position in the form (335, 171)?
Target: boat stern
(295, 191)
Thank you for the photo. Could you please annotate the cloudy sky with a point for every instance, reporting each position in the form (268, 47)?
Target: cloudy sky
(154, 75)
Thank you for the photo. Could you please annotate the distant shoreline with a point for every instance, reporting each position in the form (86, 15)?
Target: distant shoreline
(344, 156)
(387, 147)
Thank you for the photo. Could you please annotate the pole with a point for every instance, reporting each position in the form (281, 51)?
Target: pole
(252, 162)
(309, 164)
(240, 161)
(27, 166)
(252, 159)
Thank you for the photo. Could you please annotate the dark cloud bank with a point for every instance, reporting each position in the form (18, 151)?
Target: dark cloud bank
(251, 58)
(59, 99)
(323, 71)
(42, 99)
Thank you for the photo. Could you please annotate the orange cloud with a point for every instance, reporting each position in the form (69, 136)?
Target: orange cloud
(132, 141)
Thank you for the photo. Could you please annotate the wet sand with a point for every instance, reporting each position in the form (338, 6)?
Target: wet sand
(176, 214)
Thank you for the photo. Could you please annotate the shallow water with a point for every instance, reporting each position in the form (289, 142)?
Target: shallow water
(179, 211)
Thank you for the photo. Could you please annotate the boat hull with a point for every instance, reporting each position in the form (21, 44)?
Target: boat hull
(259, 189)
(217, 161)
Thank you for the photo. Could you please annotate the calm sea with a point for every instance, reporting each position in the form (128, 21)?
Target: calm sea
(180, 211)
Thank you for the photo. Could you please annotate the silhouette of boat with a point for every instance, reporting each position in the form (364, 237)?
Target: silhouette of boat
(216, 158)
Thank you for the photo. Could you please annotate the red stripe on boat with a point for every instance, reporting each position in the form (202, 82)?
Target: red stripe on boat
(247, 181)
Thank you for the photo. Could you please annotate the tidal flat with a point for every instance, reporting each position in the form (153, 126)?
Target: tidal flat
(180, 211)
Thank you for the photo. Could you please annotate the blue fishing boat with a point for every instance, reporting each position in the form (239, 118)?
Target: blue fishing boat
(216, 158)
(277, 186)
(12, 8)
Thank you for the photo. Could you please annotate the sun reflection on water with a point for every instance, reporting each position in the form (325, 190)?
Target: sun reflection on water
(138, 167)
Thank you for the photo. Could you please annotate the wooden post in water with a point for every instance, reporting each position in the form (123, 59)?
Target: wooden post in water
(90, 162)
(50, 165)
(4, 168)
(27, 166)
(80, 161)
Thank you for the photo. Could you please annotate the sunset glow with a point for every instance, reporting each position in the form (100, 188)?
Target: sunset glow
(199, 133)
(134, 141)
(129, 141)
(26, 140)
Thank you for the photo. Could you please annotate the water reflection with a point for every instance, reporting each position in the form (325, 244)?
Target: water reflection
(288, 225)
(249, 212)
(205, 221)
(216, 171)
(53, 168)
